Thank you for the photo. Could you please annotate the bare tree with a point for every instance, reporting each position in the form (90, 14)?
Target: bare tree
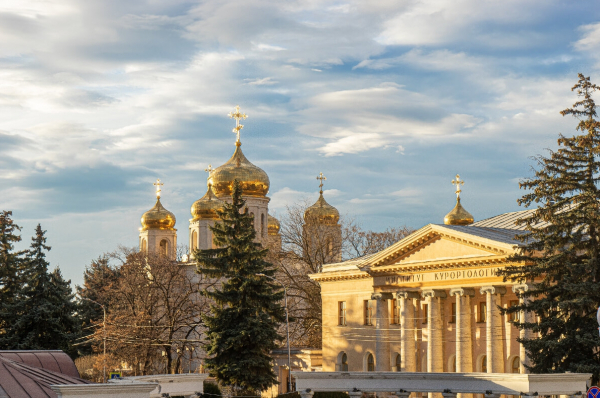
(306, 247)
(154, 313)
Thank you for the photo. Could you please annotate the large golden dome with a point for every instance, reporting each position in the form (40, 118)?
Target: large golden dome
(458, 216)
(158, 218)
(254, 181)
(321, 212)
(207, 206)
(273, 225)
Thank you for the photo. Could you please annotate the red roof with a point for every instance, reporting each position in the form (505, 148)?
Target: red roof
(25, 374)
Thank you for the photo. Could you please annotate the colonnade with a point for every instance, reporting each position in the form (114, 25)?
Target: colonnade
(434, 298)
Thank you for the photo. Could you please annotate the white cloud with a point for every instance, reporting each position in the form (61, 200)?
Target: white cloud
(590, 40)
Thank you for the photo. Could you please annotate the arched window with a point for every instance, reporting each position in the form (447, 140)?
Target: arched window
(484, 364)
(328, 246)
(164, 247)
(144, 247)
(398, 363)
(194, 240)
(344, 364)
(516, 365)
(370, 363)
(262, 225)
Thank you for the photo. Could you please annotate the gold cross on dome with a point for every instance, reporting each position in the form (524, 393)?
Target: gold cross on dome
(158, 184)
(237, 115)
(209, 169)
(458, 182)
(322, 178)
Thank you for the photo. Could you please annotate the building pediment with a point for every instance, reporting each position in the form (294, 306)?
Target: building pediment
(439, 244)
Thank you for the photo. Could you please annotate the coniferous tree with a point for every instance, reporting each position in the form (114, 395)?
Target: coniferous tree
(560, 256)
(242, 326)
(10, 283)
(46, 308)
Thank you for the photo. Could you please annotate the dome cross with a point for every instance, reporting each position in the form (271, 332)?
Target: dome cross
(322, 178)
(209, 169)
(458, 182)
(158, 184)
(237, 115)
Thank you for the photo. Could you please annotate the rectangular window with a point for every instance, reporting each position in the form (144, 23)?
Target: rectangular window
(514, 317)
(342, 313)
(453, 313)
(368, 311)
(424, 315)
(395, 312)
(482, 312)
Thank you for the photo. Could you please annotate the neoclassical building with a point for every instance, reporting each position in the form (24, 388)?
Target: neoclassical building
(428, 303)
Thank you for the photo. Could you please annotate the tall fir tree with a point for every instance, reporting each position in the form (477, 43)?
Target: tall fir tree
(242, 326)
(46, 308)
(10, 283)
(560, 252)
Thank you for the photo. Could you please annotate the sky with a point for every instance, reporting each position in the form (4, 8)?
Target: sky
(389, 99)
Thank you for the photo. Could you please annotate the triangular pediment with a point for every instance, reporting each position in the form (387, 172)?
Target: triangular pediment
(440, 243)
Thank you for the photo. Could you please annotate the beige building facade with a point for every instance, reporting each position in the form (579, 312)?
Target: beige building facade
(428, 303)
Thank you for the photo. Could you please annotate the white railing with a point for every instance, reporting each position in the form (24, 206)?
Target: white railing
(449, 384)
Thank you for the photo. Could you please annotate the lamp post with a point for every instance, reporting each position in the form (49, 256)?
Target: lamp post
(103, 336)
(287, 322)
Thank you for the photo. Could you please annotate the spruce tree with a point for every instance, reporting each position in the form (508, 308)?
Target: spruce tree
(10, 283)
(242, 326)
(46, 307)
(560, 256)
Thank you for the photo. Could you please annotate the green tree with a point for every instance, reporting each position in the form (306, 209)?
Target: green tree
(242, 325)
(560, 251)
(46, 308)
(10, 283)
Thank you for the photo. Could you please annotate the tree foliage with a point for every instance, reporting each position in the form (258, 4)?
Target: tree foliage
(242, 325)
(560, 251)
(10, 282)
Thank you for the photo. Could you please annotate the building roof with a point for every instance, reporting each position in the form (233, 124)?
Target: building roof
(505, 221)
(53, 360)
(504, 235)
(26, 374)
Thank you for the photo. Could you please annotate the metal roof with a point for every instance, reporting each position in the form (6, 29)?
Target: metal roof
(505, 221)
(54, 360)
(504, 235)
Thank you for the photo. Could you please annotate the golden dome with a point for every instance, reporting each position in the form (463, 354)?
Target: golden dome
(458, 216)
(321, 212)
(254, 181)
(273, 225)
(207, 206)
(158, 218)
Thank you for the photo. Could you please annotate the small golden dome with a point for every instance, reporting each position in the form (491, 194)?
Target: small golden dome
(158, 218)
(206, 207)
(273, 225)
(458, 216)
(254, 181)
(321, 212)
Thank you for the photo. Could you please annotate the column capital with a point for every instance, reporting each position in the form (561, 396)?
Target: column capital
(408, 294)
(520, 288)
(493, 290)
(382, 296)
(462, 291)
(308, 393)
(434, 293)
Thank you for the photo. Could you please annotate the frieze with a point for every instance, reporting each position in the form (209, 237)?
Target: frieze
(437, 276)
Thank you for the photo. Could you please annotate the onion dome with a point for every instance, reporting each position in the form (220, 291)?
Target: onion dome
(206, 207)
(158, 218)
(273, 225)
(458, 215)
(253, 179)
(321, 212)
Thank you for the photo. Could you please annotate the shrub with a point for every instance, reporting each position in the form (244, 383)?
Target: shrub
(212, 389)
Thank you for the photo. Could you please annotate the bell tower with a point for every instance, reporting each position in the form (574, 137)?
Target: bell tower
(158, 234)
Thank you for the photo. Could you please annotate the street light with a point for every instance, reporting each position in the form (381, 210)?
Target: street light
(103, 333)
(287, 322)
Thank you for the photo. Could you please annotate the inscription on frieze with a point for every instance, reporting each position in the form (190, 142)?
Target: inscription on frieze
(438, 276)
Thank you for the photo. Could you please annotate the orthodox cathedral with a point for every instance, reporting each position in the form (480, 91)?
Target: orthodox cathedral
(158, 234)
(427, 303)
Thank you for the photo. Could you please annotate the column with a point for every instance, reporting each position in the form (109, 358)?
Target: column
(407, 330)
(464, 342)
(524, 334)
(493, 328)
(382, 328)
(435, 329)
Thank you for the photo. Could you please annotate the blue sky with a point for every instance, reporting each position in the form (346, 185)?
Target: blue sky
(389, 99)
